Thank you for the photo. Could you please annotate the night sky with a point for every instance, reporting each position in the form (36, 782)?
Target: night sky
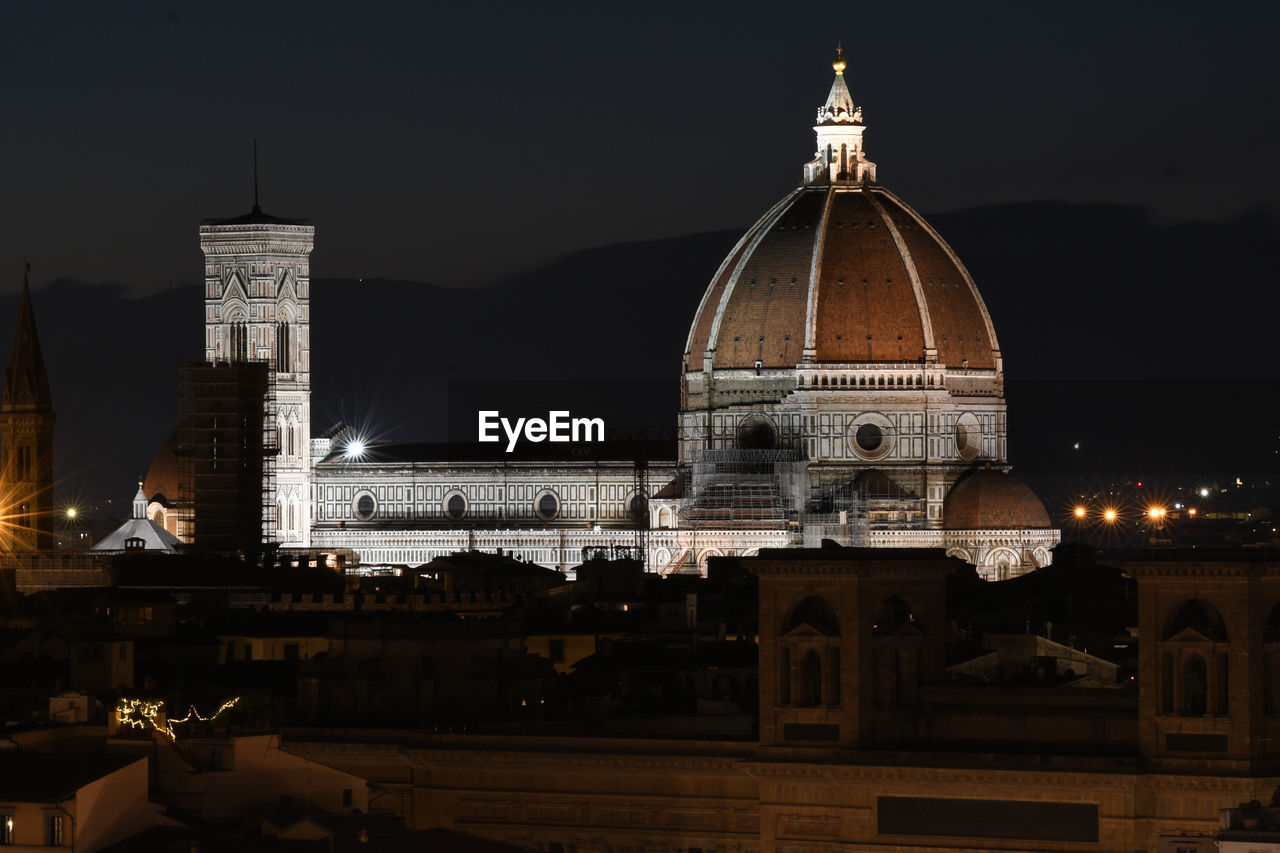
(1106, 171)
(457, 145)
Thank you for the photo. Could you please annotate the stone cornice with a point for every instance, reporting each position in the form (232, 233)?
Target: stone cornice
(428, 758)
(960, 777)
(271, 228)
(1208, 569)
(288, 248)
(933, 566)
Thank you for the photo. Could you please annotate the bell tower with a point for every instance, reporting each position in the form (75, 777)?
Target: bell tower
(26, 437)
(257, 297)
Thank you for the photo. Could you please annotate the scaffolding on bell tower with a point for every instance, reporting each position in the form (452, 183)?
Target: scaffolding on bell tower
(227, 446)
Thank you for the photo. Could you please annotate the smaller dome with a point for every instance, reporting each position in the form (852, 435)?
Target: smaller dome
(161, 482)
(992, 500)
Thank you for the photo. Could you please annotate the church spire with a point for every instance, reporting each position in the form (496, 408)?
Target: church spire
(26, 381)
(26, 437)
(256, 208)
(839, 158)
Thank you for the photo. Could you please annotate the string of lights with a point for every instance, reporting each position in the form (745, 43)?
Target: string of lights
(139, 713)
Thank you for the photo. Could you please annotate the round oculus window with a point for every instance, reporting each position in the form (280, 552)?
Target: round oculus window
(455, 506)
(548, 506)
(869, 437)
(968, 436)
(365, 506)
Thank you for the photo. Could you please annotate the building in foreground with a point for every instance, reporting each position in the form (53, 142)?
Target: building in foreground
(865, 743)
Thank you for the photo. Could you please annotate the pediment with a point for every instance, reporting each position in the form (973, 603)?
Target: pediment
(234, 290)
(1190, 635)
(806, 631)
(286, 288)
(906, 630)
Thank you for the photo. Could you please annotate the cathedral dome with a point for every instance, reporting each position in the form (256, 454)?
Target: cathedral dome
(841, 272)
(991, 500)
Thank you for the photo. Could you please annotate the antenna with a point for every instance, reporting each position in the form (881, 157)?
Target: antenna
(255, 175)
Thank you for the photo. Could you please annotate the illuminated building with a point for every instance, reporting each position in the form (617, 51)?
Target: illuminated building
(257, 281)
(842, 380)
(139, 533)
(26, 439)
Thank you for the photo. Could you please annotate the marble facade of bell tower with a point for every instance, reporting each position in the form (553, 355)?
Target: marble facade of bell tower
(257, 308)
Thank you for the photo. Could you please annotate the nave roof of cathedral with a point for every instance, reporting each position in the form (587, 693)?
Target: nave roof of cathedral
(656, 452)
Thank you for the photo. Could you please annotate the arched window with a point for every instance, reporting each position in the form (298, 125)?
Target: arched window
(1166, 684)
(1222, 704)
(833, 665)
(239, 334)
(284, 347)
(1194, 686)
(1271, 662)
(784, 673)
(812, 680)
(1198, 616)
(815, 612)
(891, 615)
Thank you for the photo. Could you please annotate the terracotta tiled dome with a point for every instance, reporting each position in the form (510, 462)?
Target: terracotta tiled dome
(162, 477)
(991, 500)
(850, 272)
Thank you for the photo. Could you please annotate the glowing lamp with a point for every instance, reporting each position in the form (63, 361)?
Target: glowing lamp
(1204, 493)
(1191, 511)
(355, 449)
(1079, 512)
(1109, 515)
(71, 512)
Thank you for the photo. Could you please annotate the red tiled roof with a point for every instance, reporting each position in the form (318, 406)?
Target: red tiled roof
(162, 476)
(886, 283)
(991, 500)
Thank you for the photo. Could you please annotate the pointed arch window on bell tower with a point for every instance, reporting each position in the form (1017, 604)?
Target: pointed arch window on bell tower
(284, 347)
(239, 335)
